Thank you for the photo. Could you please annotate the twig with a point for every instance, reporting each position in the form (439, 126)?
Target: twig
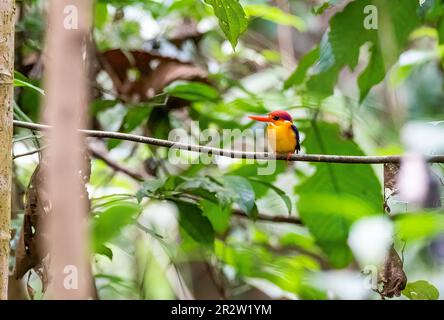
(235, 154)
(29, 153)
(116, 166)
(263, 217)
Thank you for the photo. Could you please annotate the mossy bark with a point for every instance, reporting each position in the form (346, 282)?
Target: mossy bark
(6, 96)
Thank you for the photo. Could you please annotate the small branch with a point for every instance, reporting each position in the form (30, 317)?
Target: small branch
(29, 153)
(234, 154)
(116, 166)
(263, 217)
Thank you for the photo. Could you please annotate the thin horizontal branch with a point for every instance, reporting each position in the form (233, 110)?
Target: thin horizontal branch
(233, 154)
(29, 153)
(267, 218)
(116, 166)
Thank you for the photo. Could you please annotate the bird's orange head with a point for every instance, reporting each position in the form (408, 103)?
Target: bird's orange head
(274, 117)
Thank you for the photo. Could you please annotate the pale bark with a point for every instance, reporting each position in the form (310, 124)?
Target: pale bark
(65, 109)
(6, 96)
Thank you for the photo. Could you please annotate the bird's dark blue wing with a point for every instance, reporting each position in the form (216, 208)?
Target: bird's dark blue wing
(296, 132)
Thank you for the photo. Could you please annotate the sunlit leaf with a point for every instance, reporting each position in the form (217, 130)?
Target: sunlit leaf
(275, 15)
(22, 81)
(232, 18)
(285, 198)
(356, 23)
(329, 218)
(108, 223)
(298, 76)
(193, 91)
(218, 215)
(417, 226)
(244, 193)
(420, 290)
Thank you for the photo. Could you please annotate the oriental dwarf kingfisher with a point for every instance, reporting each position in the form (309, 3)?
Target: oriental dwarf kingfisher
(282, 134)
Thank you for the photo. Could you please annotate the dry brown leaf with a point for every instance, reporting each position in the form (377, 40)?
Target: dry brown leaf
(30, 248)
(156, 72)
(392, 276)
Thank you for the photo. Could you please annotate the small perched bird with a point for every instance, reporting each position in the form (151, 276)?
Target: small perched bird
(282, 134)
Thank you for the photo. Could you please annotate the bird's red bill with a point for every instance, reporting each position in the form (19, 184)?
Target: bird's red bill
(260, 118)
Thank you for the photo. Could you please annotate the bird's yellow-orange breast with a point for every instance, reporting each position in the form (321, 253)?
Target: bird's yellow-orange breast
(281, 137)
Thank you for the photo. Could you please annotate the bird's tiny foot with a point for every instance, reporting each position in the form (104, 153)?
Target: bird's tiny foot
(289, 156)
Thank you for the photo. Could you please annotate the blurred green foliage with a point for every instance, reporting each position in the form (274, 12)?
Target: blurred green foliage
(148, 236)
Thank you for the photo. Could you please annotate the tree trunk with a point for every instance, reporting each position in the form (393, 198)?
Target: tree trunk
(66, 105)
(6, 96)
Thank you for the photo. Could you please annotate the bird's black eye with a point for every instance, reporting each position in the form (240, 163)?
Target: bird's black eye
(275, 118)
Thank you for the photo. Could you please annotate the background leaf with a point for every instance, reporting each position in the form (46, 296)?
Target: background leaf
(108, 224)
(232, 18)
(243, 193)
(420, 290)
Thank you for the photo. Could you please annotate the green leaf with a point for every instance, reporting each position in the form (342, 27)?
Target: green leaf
(149, 188)
(280, 192)
(340, 50)
(250, 170)
(420, 290)
(108, 223)
(418, 226)
(21, 80)
(306, 242)
(193, 91)
(102, 105)
(232, 18)
(287, 272)
(100, 14)
(104, 251)
(298, 76)
(275, 15)
(318, 10)
(357, 180)
(329, 218)
(207, 189)
(219, 216)
(321, 195)
(243, 193)
(195, 224)
(135, 116)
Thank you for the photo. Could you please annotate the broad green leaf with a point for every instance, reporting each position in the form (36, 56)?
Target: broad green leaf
(355, 180)
(275, 15)
(193, 91)
(279, 192)
(247, 170)
(298, 76)
(218, 215)
(21, 80)
(306, 242)
(354, 22)
(195, 224)
(420, 290)
(102, 105)
(287, 272)
(329, 218)
(320, 195)
(243, 193)
(149, 188)
(100, 14)
(108, 223)
(417, 226)
(232, 18)
(207, 189)
(135, 116)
